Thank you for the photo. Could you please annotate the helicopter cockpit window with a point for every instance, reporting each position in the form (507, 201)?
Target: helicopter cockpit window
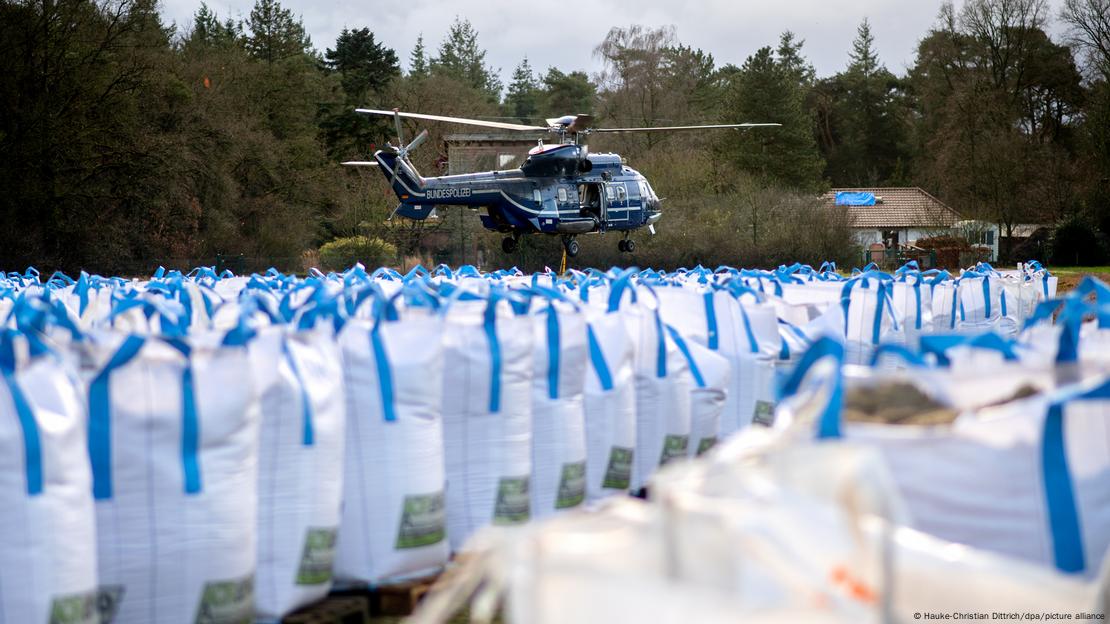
(537, 196)
(609, 193)
(562, 195)
(621, 192)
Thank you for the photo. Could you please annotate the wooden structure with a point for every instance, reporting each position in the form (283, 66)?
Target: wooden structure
(487, 151)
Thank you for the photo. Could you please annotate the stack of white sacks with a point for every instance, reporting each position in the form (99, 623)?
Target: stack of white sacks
(219, 448)
(1001, 513)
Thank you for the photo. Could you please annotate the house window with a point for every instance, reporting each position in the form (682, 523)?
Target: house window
(562, 195)
(990, 237)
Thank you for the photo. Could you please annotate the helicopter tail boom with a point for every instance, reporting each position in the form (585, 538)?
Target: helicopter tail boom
(403, 178)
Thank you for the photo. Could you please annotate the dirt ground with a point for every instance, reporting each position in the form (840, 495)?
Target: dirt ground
(1070, 277)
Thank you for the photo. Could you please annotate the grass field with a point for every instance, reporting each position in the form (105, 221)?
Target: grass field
(1071, 276)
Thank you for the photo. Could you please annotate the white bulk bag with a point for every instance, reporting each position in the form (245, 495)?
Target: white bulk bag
(1011, 479)
(912, 299)
(610, 407)
(662, 385)
(710, 374)
(173, 441)
(747, 331)
(558, 427)
(979, 301)
(48, 557)
(870, 317)
(300, 476)
(393, 521)
(487, 416)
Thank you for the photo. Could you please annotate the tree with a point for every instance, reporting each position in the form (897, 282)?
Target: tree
(793, 62)
(364, 65)
(1088, 24)
(861, 119)
(275, 34)
(995, 102)
(522, 99)
(365, 69)
(567, 94)
(631, 81)
(208, 30)
(766, 90)
(418, 59)
(461, 58)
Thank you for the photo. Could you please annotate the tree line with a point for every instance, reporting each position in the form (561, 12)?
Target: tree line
(125, 141)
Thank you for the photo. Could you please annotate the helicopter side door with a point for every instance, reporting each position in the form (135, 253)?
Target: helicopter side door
(617, 203)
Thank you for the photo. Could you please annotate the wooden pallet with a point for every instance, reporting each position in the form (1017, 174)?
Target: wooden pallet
(335, 609)
(395, 599)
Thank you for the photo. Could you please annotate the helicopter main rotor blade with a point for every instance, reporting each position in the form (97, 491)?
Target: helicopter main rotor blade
(360, 163)
(459, 120)
(677, 128)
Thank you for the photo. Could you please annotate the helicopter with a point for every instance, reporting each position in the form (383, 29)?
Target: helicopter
(561, 189)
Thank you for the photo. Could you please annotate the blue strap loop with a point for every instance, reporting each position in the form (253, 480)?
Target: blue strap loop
(711, 320)
(1063, 513)
(552, 351)
(308, 434)
(685, 349)
(899, 351)
(939, 345)
(100, 418)
(32, 449)
(597, 357)
(828, 423)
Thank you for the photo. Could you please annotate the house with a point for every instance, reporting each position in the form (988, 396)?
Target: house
(892, 216)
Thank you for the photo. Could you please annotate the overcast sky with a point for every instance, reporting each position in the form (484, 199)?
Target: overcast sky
(564, 34)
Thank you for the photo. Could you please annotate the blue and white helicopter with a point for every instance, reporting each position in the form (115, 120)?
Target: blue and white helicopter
(560, 190)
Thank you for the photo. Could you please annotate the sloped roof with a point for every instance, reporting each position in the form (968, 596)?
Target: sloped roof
(899, 207)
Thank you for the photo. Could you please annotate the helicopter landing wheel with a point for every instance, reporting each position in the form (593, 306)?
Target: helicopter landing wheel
(571, 246)
(626, 245)
(509, 244)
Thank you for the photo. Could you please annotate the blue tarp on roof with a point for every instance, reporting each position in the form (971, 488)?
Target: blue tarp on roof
(852, 198)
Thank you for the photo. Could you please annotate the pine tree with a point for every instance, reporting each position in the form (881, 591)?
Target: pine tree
(866, 140)
(863, 57)
(208, 30)
(522, 100)
(418, 59)
(567, 94)
(460, 58)
(791, 59)
(274, 33)
(766, 90)
(365, 66)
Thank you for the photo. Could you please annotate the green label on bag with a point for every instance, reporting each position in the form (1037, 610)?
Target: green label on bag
(227, 602)
(75, 609)
(706, 443)
(423, 521)
(764, 413)
(674, 447)
(318, 557)
(108, 598)
(618, 475)
(513, 505)
(572, 486)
